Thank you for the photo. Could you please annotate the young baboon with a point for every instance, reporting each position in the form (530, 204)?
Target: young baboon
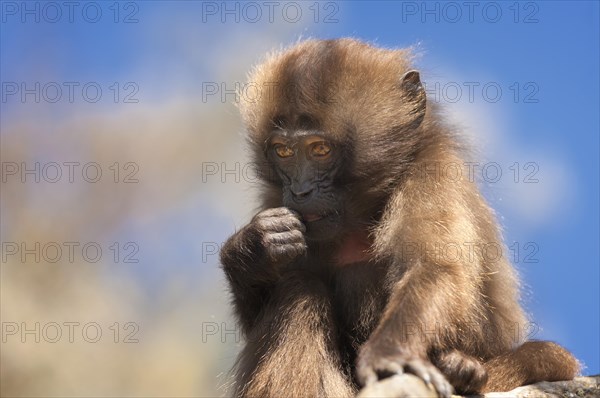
(365, 260)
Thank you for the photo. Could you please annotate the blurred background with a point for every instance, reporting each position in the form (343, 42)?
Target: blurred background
(124, 170)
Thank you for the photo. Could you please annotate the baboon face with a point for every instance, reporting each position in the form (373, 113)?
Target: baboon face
(308, 166)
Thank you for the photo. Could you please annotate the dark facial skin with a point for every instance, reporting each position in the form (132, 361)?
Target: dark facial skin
(308, 167)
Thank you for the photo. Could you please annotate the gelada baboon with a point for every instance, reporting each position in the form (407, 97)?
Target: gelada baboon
(365, 260)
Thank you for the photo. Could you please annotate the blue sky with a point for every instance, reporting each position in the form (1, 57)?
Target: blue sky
(553, 46)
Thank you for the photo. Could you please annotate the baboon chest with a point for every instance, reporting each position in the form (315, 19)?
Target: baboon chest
(359, 297)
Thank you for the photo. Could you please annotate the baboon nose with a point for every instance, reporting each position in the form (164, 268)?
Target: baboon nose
(301, 194)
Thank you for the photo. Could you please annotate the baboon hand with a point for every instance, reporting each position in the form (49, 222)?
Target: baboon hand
(376, 362)
(281, 234)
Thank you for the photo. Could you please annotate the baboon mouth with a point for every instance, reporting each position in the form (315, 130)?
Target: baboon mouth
(314, 217)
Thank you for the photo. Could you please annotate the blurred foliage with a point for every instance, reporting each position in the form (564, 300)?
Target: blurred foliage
(170, 358)
(173, 300)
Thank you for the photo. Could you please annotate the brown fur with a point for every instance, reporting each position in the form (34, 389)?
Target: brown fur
(306, 326)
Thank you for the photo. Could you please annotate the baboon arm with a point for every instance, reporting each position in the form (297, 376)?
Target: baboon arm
(421, 303)
(249, 278)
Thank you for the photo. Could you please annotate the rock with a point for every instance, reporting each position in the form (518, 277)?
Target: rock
(580, 387)
(398, 386)
(408, 386)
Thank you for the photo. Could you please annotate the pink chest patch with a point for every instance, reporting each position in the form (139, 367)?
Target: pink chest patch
(354, 249)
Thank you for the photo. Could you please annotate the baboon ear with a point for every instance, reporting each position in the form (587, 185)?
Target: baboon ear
(411, 81)
(415, 93)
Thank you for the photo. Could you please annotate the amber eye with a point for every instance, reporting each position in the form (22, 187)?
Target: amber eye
(284, 151)
(320, 149)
